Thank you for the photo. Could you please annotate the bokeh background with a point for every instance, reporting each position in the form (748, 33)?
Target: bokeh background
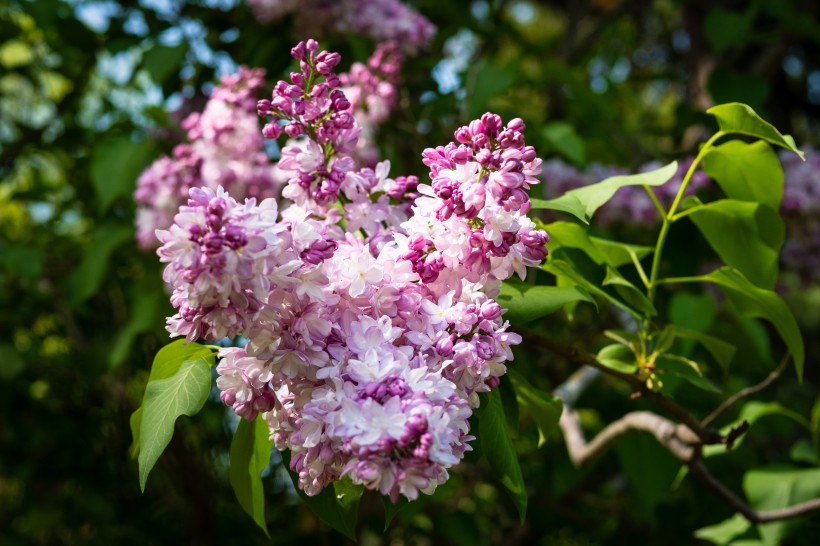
(91, 92)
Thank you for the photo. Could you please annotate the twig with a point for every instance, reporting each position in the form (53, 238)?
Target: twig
(581, 452)
(748, 391)
(704, 434)
(681, 441)
(699, 470)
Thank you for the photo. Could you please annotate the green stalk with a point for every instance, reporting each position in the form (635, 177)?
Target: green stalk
(670, 215)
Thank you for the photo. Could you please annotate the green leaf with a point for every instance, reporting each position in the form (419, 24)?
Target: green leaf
(87, 278)
(593, 196)
(250, 456)
(391, 509)
(560, 267)
(562, 137)
(498, 448)
(337, 504)
(747, 172)
(753, 301)
(525, 302)
(178, 384)
(162, 61)
(489, 81)
(752, 412)
(721, 351)
(774, 488)
(725, 532)
(686, 369)
(572, 235)
(692, 312)
(629, 292)
(509, 400)
(618, 254)
(601, 251)
(115, 166)
(618, 357)
(747, 236)
(544, 408)
(737, 118)
(566, 203)
(649, 469)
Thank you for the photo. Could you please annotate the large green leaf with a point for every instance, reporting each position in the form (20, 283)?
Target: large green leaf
(250, 456)
(778, 487)
(337, 504)
(178, 385)
(593, 196)
(737, 118)
(747, 236)
(566, 203)
(525, 302)
(747, 172)
(115, 166)
(544, 408)
(753, 301)
(499, 450)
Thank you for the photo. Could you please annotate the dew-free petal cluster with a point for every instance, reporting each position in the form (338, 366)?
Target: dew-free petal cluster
(367, 302)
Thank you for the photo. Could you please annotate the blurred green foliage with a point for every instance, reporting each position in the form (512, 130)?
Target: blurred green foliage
(92, 91)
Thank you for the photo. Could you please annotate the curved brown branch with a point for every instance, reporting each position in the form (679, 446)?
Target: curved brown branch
(678, 439)
(748, 391)
(700, 471)
(581, 452)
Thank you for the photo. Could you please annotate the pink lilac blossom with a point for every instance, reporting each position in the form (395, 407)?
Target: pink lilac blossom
(371, 90)
(801, 212)
(371, 327)
(224, 150)
(380, 20)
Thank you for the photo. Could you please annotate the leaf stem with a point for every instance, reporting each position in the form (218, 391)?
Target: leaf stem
(670, 215)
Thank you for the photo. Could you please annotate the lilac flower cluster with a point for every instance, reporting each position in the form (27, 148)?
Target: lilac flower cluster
(630, 205)
(380, 20)
(225, 149)
(801, 212)
(371, 90)
(371, 327)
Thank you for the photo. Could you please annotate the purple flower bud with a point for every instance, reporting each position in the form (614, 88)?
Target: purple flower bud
(490, 310)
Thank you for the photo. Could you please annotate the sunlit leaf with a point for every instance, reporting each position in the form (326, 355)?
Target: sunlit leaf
(746, 172)
(526, 302)
(737, 118)
(747, 236)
